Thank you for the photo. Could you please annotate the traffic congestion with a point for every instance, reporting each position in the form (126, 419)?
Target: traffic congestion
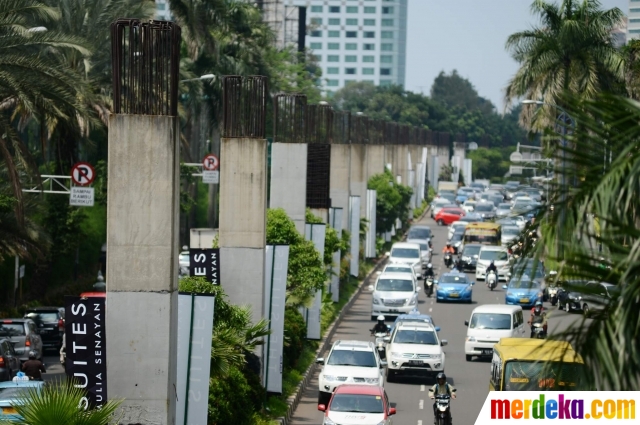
(431, 333)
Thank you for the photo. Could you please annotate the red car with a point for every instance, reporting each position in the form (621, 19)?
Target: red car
(361, 404)
(446, 216)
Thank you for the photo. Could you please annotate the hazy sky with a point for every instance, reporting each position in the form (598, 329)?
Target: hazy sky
(468, 35)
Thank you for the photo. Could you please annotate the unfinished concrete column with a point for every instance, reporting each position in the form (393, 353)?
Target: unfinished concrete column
(402, 156)
(390, 142)
(460, 150)
(288, 186)
(374, 151)
(444, 153)
(143, 222)
(243, 191)
(340, 172)
(319, 134)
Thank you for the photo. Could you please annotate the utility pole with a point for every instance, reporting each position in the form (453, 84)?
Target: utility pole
(17, 278)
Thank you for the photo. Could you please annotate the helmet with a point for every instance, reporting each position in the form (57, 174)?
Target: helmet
(429, 266)
(448, 243)
(381, 318)
(441, 376)
(539, 303)
(32, 354)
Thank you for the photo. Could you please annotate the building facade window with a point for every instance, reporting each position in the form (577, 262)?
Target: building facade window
(370, 22)
(368, 71)
(387, 22)
(369, 9)
(334, 34)
(347, 82)
(350, 71)
(387, 10)
(352, 21)
(316, 33)
(315, 46)
(351, 46)
(386, 47)
(352, 9)
(316, 9)
(385, 71)
(369, 34)
(334, 21)
(316, 58)
(634, 31)
(334, 9)
(333, 70)
(386, 34)
(634, 21)
(333, 58)
(352, 34)
(332, 83)
(386, 59)
(369, 46)
(385, 83)
(333, 46)
(351, 58)
(634, 10)
(369, 59)
(316, 21)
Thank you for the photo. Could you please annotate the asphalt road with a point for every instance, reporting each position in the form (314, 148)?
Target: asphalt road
(55, 371)
(410, 396)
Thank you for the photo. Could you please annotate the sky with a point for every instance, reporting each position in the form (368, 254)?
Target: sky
(469, 36)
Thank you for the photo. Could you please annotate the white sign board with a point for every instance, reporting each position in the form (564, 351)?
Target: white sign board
(210, 177)
(81, 197)
(354, 228)
(315, 233)
(22, 271)
(335, 221)
(194, 357)
(514, 169)
(370, 239)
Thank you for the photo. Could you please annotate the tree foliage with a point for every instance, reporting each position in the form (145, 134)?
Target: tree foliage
(392, 200)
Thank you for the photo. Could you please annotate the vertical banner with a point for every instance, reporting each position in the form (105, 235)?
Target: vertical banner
(423, 176)
(420, 183)
(354, 228)
(315, 233)
(455, 164)
(435, 170)
(85, 337)
(370, 242)
(335, 220)
(195, 329)
(409, 166)
(205, 263)
(276, 266)
(412, 185)
(467, 170)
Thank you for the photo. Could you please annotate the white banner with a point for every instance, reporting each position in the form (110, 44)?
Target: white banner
(315, 233)
(546, 407)
(370, 241)
(435, 170)
(420, 183)
(335, 220)
(467, 171)
(354, 228)
(412, 185)
(276, 266)
(194, 359)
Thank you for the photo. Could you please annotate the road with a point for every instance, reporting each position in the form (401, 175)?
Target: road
(55, 371)
(410, 396)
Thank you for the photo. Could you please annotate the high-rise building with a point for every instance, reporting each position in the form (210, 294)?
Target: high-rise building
(619, 33)
(162, 10)
(633, 23)
(355, 40)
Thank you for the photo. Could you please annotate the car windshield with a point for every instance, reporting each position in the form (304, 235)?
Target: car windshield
(419, 233)
(490, 321)
(471, 250)
(414, 319)
(43, 317)
(184, 258)
(398, 269)
(459, 226)
(550, 376)
(453, 279)
(494, 255)
(510, 231)
(523, 284)
(457, 236)
(352, 358)
(504, 206)
(395, 285)
(12, 329)
(484, 207)
(470, 203)
(356, 403)
(407, 336)
(405, 253)
(13, 393)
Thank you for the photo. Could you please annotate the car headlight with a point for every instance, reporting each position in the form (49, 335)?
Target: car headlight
(413, 301)
(436, 356)
(329, 378)
(328, 421)
(471, 339)
(509, 294)
(468, 288)
(396, 355)
(457, 244)
(376, 301)
(371, 380)
(466, 259)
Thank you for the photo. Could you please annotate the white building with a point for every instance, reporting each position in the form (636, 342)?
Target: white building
(162, 10)
(633, 24)
(357, 40)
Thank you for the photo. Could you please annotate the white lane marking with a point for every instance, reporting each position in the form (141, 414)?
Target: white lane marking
(419, 422)
(430, 309)
(421, 404)
(431, 302)
(421, 387)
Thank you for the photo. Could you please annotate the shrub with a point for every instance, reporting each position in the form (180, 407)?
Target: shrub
(295, 335)
(230, 400)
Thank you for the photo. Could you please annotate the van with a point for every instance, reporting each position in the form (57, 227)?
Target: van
(489, 323)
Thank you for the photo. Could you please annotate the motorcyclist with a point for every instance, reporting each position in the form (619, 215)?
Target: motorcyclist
(448, 249)
(33, 367)
(429, 273)
(492, 268)
(380, 327)
(457, 264)
(538, 315)
(440, 388)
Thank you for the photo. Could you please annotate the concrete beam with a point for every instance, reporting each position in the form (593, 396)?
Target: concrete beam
(288, 186)
(375, 160)
(340, 180)
(142, 242)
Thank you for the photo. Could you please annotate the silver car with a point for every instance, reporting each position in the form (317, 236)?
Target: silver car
(425, 251)
(23, 335)
(486, 210)
(503, 210)
(509, 234)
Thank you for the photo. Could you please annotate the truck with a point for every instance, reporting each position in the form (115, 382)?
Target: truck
(451, 187)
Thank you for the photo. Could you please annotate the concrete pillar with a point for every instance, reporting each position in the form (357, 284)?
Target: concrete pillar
(142, 242)
(390, 156)
(444, 159)
(340, 180)
(460, 150)
(402, 168)
(375, 160)
(288, 186)
(358, 176)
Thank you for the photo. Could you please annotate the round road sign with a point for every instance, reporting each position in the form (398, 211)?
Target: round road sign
(83, 174)
(515, 157)
(210, 162)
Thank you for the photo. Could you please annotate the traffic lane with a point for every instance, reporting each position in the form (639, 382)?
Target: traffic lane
(55, 371)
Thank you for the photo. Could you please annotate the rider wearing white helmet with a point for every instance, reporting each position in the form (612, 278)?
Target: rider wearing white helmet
(380, 327)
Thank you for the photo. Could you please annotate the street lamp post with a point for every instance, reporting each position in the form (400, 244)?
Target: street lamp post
(563, 183)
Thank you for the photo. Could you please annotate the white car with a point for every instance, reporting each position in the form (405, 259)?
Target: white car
(349, 362)
(500, 257)
(407, 254)
(503, 210)
(437, 205)
(521, 222)
(399, 268)
(456, 226)
(469, 205)
(394, 294)
(414, 349)
(490, 322)
(509, 234)
(425, 251)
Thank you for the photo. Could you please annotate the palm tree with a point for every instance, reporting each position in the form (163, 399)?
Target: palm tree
(572, 51)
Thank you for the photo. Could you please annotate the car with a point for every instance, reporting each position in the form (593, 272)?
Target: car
(425, 251)
(469, 256)
(394, 294)
(437, 205)
(478, 185)
(522, 206)
(407, 254)
(414, 316)
(577, 295)
(456, 225)
(530, 267)
(420, 231)
(507, 221)
(500, 257)
(184, 262)
(521, 222)
(367, 405)
(471, 218)
(446, 216)
(50, 323)
(457, 240)
(9, 361)
(520, 195)
(598, 297)
(450, 196)
(454, 286)
(503, 209)
(487, 324)
(497, 199)
(523, 291)
(23, 335)
(12, 393)
(464, 193)
(349, 362)
(469, 205)
(414, 349)
(401, 268)
(533, 193)
(487, 210)
(509, 234)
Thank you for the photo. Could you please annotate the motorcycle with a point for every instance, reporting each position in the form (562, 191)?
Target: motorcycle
(538, 331)
(552, 295)
(443, 411)
(381, 346)
(447, 260)
(492, 280)
(428, 286)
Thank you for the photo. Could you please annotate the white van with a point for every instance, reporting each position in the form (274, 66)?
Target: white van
(489, 323)
(394, 294)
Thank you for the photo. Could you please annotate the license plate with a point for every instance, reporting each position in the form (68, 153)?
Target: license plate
(9, 411)
(454, 295)
(415, 362)
(487, 351)
(524, 300)
(394, 310)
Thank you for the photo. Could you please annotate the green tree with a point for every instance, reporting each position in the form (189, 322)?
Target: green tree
(392, 201)
(571, 51)
(455, 91)
(488, 163)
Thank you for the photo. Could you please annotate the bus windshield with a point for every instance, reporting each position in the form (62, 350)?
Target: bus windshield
(548, 376)
(490, 236)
